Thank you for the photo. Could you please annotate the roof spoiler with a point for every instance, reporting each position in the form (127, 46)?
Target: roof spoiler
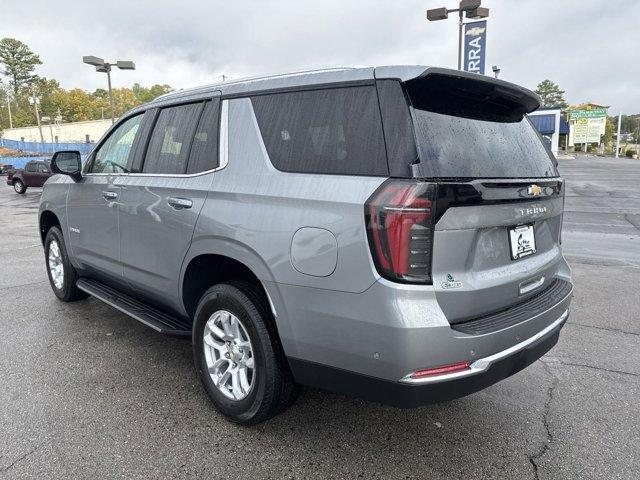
(469, 95)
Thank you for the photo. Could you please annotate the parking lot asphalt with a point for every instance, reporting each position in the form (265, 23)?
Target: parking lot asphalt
(86, 392)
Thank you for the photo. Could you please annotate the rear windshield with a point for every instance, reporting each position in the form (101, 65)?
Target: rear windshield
(451, 146)
(461, 129)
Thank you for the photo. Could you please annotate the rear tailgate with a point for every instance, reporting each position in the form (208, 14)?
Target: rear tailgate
(498, 196)
(477, 267)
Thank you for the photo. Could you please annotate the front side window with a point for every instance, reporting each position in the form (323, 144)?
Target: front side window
(168, 149)
(334, 131)
(31, 167)
(113, 154)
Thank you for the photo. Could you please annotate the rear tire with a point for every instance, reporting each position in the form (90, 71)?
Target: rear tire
(62, 275)
(266, 387)
(19, 187)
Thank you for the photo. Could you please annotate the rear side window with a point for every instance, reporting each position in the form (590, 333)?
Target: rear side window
(170, 141)
(334, 131)
(204, 149)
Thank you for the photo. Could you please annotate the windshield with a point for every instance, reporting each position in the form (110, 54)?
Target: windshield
(452, 146)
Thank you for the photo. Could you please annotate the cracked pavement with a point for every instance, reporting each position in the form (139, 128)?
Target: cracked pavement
(87, 392)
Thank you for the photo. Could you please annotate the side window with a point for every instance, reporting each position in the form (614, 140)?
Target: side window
(42, 168)
(113, 154)
(335, 131)
(204, 149)
(31, 167)
(171, 138)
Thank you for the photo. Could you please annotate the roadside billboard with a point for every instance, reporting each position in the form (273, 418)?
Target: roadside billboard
(475, 41)
(587, 125)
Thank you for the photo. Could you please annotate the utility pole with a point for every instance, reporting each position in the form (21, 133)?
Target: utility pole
(35, 101)
(9, 108)
(618, 136)
(638, 139)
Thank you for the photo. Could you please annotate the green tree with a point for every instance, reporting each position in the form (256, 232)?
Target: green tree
(144, 94)
(551, 94)
(18, 63)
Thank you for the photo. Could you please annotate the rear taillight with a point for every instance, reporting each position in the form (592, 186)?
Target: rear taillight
(400, 229)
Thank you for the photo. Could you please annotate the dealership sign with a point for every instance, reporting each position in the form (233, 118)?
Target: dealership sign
(588, 124)
(475, 41)
(588, 113)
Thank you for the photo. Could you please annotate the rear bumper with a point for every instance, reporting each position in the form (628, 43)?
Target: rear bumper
(408, 393)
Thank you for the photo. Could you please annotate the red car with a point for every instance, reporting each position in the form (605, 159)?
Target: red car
(34, 174)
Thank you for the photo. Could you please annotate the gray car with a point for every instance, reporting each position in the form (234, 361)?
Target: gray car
(392, 233)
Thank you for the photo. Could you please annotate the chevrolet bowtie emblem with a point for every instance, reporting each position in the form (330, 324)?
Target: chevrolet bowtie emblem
(534, 190)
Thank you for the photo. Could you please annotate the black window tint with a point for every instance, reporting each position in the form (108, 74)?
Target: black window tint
(481, 148)
(335, 131)
(204, 150)
(398, 128)
(171, 138)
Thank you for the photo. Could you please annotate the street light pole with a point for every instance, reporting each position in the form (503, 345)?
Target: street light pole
(105, 67)
(472, 9)
(108, 68)
(460, 39)
(618, 136)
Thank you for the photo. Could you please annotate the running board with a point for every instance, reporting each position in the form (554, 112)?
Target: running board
(150, 316)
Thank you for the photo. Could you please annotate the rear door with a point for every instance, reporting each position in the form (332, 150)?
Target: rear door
(161, 202)
(498, 196)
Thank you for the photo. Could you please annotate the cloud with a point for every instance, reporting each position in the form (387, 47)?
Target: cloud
(585, 47)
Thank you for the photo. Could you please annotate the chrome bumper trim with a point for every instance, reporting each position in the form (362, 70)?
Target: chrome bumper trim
(482, 365)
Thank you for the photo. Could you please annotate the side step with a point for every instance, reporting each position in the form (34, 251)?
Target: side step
(150, 316)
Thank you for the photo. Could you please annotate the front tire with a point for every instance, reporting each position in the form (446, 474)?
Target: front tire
(19, 187)
(62, 275)
(238, 356)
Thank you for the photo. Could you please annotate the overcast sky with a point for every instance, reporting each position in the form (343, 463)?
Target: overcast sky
(589, 47)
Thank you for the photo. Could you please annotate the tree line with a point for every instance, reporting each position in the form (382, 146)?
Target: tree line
(20, 85)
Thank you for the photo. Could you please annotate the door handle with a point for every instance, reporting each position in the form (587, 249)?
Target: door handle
(109, 195)
(179, 203)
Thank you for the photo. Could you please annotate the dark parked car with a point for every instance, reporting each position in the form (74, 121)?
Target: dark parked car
(5, 169)
(34, 174)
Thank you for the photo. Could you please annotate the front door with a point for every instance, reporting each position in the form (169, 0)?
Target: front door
(160, 205)
(93, 203)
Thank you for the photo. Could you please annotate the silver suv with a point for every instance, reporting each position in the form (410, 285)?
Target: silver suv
(391, 233)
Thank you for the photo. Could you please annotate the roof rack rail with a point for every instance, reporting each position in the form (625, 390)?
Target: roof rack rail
(251, 79)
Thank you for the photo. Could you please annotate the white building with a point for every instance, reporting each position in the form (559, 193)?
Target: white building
(89, 131)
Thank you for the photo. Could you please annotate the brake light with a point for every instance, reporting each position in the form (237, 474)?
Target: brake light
(400, 230)
(452, 368)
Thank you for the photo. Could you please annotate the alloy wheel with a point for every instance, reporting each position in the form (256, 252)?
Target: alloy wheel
(229, 355)
(56, 267)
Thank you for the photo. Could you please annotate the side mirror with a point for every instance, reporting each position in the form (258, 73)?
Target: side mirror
(67, 162)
